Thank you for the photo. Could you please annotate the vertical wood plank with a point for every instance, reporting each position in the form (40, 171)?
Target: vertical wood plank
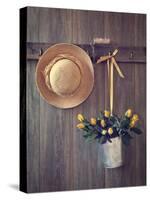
(120, 29)
(140, 101)
(111, 20)
(128, 174)
(33, 131)
(33, 107)
(55, 124)
(84, 30)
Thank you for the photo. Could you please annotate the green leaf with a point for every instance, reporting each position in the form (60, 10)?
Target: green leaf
(136, 130)
(109, 140)
(124, 124)
(86, 123)
(102, 140)
(96, 128)
(91, 127)
(101, 116)
(85, 129)
(113, 119)
(88, 133)
(90, 138)
(85, 136)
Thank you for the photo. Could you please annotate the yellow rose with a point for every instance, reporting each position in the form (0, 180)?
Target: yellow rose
(103, 124)
(132, 123)
(80, 125)
(135, 117)
(93, 121)
(104, 132)
(110, 131)
(80, 117)
(106, 113)
(128, 113)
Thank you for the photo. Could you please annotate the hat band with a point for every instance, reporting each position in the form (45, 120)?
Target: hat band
(50, 65)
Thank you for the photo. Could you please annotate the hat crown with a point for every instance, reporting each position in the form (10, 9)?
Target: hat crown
(64, 77)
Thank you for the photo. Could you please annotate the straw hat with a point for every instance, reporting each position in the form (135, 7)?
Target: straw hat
(64, 75)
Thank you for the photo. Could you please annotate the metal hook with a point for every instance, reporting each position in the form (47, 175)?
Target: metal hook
(40, 52)
(131, 55)
(92, 51)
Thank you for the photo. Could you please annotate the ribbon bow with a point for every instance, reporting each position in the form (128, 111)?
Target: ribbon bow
(111, 63)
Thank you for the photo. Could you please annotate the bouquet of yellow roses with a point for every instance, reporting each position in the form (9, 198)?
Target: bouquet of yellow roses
(106, 126)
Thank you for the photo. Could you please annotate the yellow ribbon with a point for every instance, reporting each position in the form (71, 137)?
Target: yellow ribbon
(111, 63)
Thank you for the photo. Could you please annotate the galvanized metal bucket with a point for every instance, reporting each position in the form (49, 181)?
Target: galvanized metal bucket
(112, 153)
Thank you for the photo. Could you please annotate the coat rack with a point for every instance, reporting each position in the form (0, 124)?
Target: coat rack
(127, 54)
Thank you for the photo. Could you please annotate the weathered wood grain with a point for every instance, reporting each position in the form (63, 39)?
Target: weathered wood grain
(140, 102)
(33, 108)
(58, 158)
(33, 131)
(124, 94)
(88, 168)
(113, 177)
(55, 124)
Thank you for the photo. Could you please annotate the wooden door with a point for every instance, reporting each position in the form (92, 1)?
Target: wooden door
(57, 157)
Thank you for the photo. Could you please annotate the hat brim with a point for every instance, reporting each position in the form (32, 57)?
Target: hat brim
(87, 74)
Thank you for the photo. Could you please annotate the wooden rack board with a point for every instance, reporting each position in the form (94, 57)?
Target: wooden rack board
(125, 54)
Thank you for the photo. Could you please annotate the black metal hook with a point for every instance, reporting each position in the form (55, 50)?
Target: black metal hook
(40, 52)
(131, 55)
